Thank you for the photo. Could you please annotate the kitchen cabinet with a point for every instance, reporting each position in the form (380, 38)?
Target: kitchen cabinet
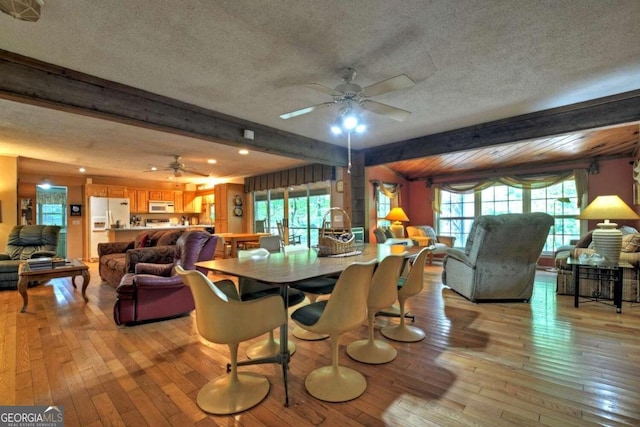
(139, 200)
(113, 191)
(178, 204)
(97, 190)
(191, 202)
(221, 205)
(101, 190)
(164, 195)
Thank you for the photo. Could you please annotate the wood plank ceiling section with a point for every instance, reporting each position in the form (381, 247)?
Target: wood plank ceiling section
(570, 150)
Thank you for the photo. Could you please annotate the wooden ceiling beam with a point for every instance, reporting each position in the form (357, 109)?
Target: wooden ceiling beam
(27, 80)
(597, 113)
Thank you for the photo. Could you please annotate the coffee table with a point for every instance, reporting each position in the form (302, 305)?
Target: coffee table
(71, 269)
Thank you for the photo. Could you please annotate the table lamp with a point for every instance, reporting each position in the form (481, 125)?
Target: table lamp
(398, 216)
(607, 239)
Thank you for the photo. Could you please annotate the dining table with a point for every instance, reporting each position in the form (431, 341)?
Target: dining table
(285, 269)
(235, 238)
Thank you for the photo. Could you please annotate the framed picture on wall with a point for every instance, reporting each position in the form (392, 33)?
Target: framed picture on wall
(75, 210)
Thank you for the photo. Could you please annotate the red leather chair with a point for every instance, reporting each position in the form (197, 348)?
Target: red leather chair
(156, 291)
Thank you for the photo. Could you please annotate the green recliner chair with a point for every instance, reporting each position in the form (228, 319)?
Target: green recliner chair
(24, 242)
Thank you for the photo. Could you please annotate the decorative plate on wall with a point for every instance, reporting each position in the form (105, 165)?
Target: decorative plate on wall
(237, 211)
(238, 201)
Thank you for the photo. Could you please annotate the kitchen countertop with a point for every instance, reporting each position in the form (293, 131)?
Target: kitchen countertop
(169, 227)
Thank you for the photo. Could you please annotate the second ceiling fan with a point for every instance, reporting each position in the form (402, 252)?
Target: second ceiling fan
(349, 94)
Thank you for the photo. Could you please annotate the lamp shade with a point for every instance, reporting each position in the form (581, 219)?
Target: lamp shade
(607, 239)
(608, 207)
(397, 214)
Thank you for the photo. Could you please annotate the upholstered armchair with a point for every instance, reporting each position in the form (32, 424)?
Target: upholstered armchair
(425, 235)
(156, 291)
(24, 242)
(500, 258)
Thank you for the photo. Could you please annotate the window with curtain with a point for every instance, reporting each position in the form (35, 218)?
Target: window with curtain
(386, 196)
(558, 197)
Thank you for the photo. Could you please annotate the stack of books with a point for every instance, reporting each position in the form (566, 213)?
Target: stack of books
(40, 263)
(58, 262)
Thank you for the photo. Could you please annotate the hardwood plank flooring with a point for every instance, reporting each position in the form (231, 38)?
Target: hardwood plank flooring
(504, 364)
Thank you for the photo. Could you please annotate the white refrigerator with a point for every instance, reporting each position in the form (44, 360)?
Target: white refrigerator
(106, 212)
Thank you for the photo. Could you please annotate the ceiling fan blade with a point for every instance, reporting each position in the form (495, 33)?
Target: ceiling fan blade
(399, 82)
(323, 89)
(306, 110)
(385, 110)
(194, 172)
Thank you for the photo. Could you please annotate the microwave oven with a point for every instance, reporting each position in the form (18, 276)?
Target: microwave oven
(161, 207)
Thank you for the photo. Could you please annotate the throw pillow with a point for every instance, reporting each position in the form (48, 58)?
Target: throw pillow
(633, 245)
(585, 241)
(143, 241)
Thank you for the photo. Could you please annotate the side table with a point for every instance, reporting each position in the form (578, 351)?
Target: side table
(601, 271)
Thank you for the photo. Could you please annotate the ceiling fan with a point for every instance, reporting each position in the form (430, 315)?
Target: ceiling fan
(178, 168)
(348, 93)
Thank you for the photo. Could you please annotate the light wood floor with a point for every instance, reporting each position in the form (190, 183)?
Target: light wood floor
(544, 363)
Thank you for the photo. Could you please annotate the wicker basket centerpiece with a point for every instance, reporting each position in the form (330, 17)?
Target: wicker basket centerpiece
(335, 240)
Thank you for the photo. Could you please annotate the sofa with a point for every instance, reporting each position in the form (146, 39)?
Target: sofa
(500, 258)
(425, 235)
(115, 259)
(155, 291)
(589, 287)
(24, 242)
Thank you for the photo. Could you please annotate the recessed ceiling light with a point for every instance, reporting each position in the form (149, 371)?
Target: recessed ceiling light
(170, 177)
(153, 168)
(244, 151)
(212, 161)
(82, 170)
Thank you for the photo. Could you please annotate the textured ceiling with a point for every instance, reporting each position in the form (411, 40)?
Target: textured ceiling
(473, 62)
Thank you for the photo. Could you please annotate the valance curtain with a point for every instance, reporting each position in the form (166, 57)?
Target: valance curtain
(51, 198)
(390, 190)
(290, 177)
(529, 181)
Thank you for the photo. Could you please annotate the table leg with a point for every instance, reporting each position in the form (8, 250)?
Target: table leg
(22, 288)
(284, 345)
(576, 285)
(234, 248)
(86, 278)
(617, 290)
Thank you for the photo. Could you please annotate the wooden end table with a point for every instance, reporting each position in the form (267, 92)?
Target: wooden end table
(72, 269)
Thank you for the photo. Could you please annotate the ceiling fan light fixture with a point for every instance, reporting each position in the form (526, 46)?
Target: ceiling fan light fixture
(24, 10)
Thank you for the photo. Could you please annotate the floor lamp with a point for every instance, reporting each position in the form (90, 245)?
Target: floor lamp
(555, 202)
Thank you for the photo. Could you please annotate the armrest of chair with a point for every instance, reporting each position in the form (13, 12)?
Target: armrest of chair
(40, 254)
(151, 255)
(114, 248)
(154, 269)
(459, 255)
(5, 257)
(447, 240)
(150, 281)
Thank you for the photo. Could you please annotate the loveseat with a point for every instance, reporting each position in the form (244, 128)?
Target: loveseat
(115, 259)
(425, 235)
(589, 287)
(24, 242)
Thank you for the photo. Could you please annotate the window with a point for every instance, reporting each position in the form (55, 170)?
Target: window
(382, 209)
(559, 200)
(305, 208)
